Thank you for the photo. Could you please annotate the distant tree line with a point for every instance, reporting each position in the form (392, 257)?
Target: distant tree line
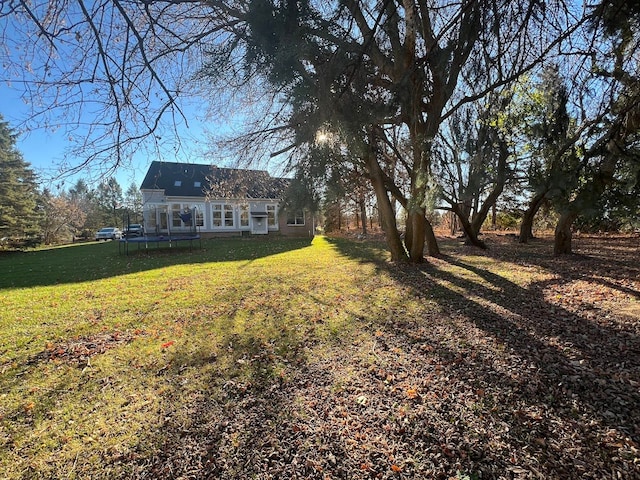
(30, 215)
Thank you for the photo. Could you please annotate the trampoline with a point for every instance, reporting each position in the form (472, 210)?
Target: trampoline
(171, 240)
(187, 233)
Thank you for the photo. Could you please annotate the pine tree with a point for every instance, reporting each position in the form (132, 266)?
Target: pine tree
(19, 214)
(133, 202)
(109, 197)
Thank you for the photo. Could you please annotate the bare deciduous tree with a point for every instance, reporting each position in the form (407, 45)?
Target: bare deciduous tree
(111, 74)
(117, 71)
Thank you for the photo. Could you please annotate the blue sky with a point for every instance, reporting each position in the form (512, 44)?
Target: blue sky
(45, 149)
(27, 60)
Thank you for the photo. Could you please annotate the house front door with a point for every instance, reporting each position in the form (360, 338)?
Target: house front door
(259, 225)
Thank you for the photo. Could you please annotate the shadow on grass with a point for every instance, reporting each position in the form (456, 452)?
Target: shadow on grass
(512, 386)
(579, 359)
(559, 376)
(215, 400)
(93, 261)
(236, 415)
(364, 252)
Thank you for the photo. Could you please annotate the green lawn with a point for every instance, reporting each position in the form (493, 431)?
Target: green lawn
(97, 348)
(316, 359)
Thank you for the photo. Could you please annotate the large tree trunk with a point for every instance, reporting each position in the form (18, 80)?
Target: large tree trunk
(417, 229)
(471, 235)
(408, 234)
(387, 214)
(526, 227)
(433, 249)
(363, 215)
(430, 239)
(563, 234)
(454, 223)
(586, 196)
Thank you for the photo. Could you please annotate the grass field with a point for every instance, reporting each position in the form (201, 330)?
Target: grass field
(319, 359)
(97, 349)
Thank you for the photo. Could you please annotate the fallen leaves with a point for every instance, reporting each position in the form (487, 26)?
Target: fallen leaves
(517, 384)
(412, 393)
(499, 376)
(79, 350)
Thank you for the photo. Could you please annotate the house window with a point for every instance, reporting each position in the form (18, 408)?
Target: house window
(164, 220)
(177, 183)
(197, 184)
(199, 214)
(271, 216)
(176, 221)
(217, 215)
(150, 218)
(228, 215)
(182, 215)
(222, 215)
(244, 215)
(295, 218)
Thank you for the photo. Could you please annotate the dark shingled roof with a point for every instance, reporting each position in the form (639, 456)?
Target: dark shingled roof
(195, 180)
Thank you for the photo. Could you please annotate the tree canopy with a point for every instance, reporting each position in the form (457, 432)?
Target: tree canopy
(19, 196)
(382, 78)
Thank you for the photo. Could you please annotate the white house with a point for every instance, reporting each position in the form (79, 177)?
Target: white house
(183, 197)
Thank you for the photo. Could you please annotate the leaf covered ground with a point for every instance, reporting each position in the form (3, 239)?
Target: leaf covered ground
(506, 364)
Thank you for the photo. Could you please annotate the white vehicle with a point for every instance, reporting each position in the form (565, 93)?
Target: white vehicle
(108, 233)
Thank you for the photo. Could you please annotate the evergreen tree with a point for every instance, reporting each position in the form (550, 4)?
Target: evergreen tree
(19, 214)
(109, 197)
(133, 202)
(553, 171)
